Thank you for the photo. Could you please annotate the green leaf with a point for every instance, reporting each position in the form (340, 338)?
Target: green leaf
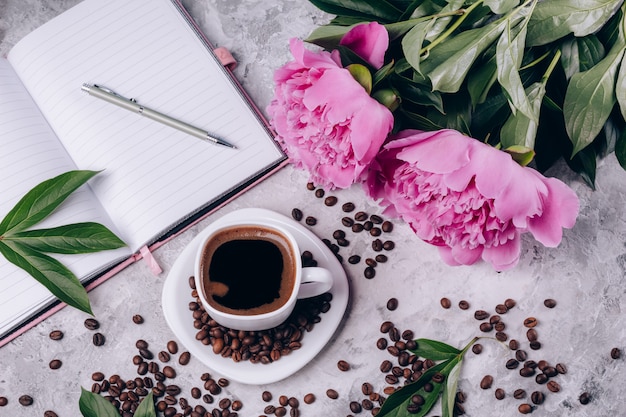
(95, 405)
(501, 6)
(480, 81)
(418, 121)
(519, 129)
(413, 41)
(42, 200)
(328, 36)
(580, 54)
(521, 154)
(362, 75)
(509, 54)
(417, 93)
(371, 9)
(59, 280)
(555, 19)
(449, 62)
(590, 97)
(435, 350)
(69, 239)
(449, 389)
(620, 149)
(146, 407)
(620, 84)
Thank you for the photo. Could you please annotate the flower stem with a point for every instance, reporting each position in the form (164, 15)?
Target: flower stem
(463, 13)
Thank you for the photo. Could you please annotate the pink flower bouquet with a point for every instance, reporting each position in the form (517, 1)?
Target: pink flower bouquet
(326, 122)
(469, 199)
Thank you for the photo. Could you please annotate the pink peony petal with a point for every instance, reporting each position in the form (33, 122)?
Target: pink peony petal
(503, 257)
(369, 41)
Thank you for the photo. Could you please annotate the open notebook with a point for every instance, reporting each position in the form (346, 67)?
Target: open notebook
(155, 179)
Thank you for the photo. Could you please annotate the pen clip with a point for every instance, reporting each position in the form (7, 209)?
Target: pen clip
(108, 90)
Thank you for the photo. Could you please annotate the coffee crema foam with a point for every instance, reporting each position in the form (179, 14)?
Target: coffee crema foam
(247, 270)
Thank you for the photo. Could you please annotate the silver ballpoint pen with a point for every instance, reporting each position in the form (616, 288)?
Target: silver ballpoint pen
(130, 104)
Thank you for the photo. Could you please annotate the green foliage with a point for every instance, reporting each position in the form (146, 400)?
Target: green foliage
(27, 248)
(511, 73)
(95, 405)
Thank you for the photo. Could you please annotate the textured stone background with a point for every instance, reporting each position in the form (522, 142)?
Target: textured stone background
(585, 274)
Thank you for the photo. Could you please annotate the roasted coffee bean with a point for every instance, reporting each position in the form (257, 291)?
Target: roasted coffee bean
(381, 258)
(550, 371)
(169, 372)
(196, 393)
(501, 309)
(527, 372)
(141, 344)
(535, 345)
(138, 319)
(207, 398)
(387, 226)
(225, 403)
(438, 377)
(92, 324)
(464, 305)
(319, 193)
(477, 348)
(355, 407)
(499, 326)
(98, 339)
(347, 222)
(369, 272)
(542, 364)
(391, 379)
(367, 388)
(50, 413)
(339, 234)
(549, 302)
(354, 259)
(310, 220)
(521, 355)
(55, 364)
(531, 364)
(513, 344)
(360, 216)
(146, 354)
(512, 364)
(236, 406)
(142, 368)
(375, 231)
(525, 408)
(270, 409)
(584, 398)
(343, 365)
(392, 304)
(480, 315)
(310, 186)
(56, 335)
(357, 228)
(296, 213)
(348, 207)
(616, 353)
(385, 366)
(537, 397)
(494, 319)
(553, 386)
(519, 393)
(377, 245)
(371, 262)
(561, 368)
(501, 336)
(509, 303)
(445, 303)
(530, 322)
(97, 376)
(330, 201)
(532, 335)
(485, 327)
(500, 394)
(3, 401)
(25, 400)
(389, 245)
(184, 358)
(386, 326)
(309, 398)
(367, 225)
(332, 394)
(541, 378)
(486, 382)
(223, 382)
(381, 343)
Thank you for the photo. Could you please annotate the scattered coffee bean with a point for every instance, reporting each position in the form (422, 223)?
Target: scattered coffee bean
(381, 258)
(480, 315)
(550, 371)
(311, 221)
(355, 407)
(528, 371)
(513, 344)
(549, 302)
(392, 304)
(137, 319)
(512, 364)
(319, 193)
(485, 327)
(525, 408)
(495, 319)
(169, 372)
(92, 324)
(3, 401)
(348, 207)
(561, 368)
(377, 245)
(309, 398)
(266, 396)
(164, 356)
(509, 303)
(354, 259)
(530, 322)
(542, 364)
(55, 364)
(486, 382)
(389, 245)
(184, 358)
(347, 222)
(141, 344)
(553, 386)
(541, 379)
(343, 366)
(385, 366)
(521, 355)
(463, 305)
(500, 394)
(535, 345)
(310, 186)
(519, 393)
(616, 353)
(332, 394)
(97, 376)
(357, 227)
(98, 339)
(297, 215)
(25, 400)
(330, 200)
(50, 413)
(501, 309)
(371, 262)
(375, 231)
(584, 398)
(477, 348)
(501, 336)
(445, 303)
(532, 335)
(537, 397)
(369, 272)
(387, 226)
(56, 335)
(360, 216)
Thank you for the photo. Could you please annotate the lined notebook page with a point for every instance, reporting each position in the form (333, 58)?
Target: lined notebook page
(143, 49)
(30, 154)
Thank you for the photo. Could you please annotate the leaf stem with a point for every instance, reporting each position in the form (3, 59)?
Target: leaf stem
(463, 15)
(555, 60)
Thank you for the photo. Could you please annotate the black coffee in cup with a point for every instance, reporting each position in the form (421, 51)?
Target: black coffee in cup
(247, 270)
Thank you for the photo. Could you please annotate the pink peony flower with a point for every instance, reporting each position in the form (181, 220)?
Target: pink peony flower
(325, 121)
(468, 198)
(369, 41)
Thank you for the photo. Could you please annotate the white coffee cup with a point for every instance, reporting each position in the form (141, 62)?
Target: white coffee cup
(236, 275)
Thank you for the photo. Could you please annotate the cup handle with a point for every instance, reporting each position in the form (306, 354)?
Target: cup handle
(315, 281)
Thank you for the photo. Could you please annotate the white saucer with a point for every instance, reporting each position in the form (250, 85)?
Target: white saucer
(177, 295)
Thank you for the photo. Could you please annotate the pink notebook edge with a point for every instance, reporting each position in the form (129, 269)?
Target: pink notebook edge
(229, 64)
